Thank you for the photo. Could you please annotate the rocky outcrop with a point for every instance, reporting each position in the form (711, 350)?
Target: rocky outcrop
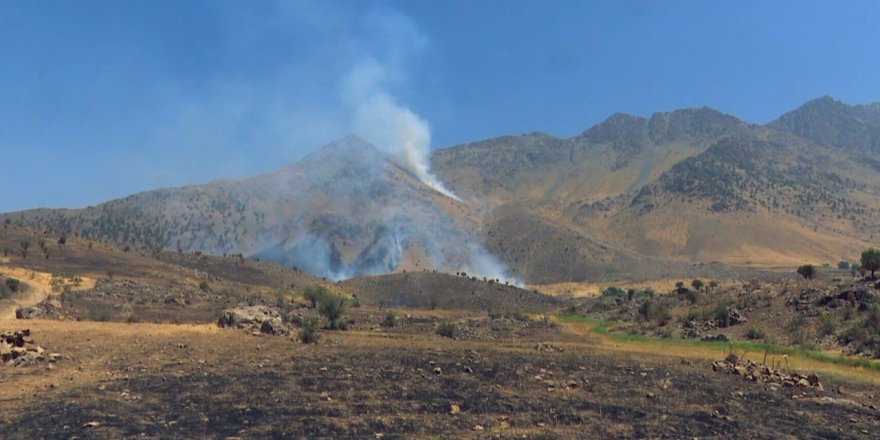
(259, 318)
(766, 374)
(18, 349)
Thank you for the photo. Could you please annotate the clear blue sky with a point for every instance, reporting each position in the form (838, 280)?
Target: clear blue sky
(99, 99)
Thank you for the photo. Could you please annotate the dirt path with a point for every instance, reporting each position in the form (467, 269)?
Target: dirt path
(39, 288)
(713, 352)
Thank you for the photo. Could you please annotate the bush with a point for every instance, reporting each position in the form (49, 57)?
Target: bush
(332, 307)
(314, 294)
(697, 284)
(693, 296)
(754, 333)
(204, 286)
(721, 315)
(13, 284)
(843, 265)
(447, 330)
(613, 292)
(651, 310)
(308, 333)
(826, 325)
(390, 320)
(808, 271)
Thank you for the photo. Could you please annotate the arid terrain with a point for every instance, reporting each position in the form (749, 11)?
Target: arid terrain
(134, 349)
(636, 281)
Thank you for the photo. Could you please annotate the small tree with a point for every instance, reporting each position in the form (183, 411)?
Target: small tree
(332, 307)
(390, 320)
(62, 241)
(314, 294)
(24, 248)
(808, 271)
(447, 330)
(871, 260)
(713, 285)
(697, 284)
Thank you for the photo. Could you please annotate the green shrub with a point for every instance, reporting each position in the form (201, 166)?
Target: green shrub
(613, 292)
(332, 307)
(721, 315)
(754, 333)
(651, 310)
(826, 325)
(204, 286)
(808, 271)
(314, 294)
(308, 333)
(390, 320)
(13, 284)
(447, 330)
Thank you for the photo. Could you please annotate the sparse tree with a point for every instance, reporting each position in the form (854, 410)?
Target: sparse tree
(697, 284)
(25, 244)
(808, 271)
(871, 260)
(332, 307)
(62, 241)
(713, 285)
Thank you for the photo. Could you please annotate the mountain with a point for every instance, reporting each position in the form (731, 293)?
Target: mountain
(678, 193)
(830, 122)
(341, 211)
(635, 196)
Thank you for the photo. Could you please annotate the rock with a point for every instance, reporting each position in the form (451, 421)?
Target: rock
(92, 424)
(740, 370)
(454, 409)
(28, 312)
(813, 379)
(247, 316)
(274, 327)
(478, 427)
(803, 382)
(438, 370)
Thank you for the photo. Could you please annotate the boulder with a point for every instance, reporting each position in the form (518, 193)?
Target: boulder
(274, 327)
(247, 316)
(29, 312)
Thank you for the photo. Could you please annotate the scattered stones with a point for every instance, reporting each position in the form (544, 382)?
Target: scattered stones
(545, 346)
(18, 350)
(764, 374)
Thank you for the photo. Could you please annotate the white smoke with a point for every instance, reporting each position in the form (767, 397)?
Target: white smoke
(395, 129)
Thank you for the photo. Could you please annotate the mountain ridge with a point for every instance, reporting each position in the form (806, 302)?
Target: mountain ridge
(628, 192)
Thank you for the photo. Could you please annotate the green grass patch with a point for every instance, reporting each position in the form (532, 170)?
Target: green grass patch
(601, 326)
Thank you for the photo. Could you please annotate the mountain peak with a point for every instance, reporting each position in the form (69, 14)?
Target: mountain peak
(831, 122)
(700, 122)
(616, 127)
(348, 149)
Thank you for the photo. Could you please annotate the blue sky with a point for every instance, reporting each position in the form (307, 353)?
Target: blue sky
(100, 99)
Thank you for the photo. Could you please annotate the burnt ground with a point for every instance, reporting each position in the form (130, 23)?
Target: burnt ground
(181, 381)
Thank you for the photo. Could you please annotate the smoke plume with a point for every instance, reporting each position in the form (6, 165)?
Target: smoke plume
(395, 129)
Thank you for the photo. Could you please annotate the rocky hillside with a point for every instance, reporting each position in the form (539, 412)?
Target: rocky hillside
(690, 185)
(342, 211)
